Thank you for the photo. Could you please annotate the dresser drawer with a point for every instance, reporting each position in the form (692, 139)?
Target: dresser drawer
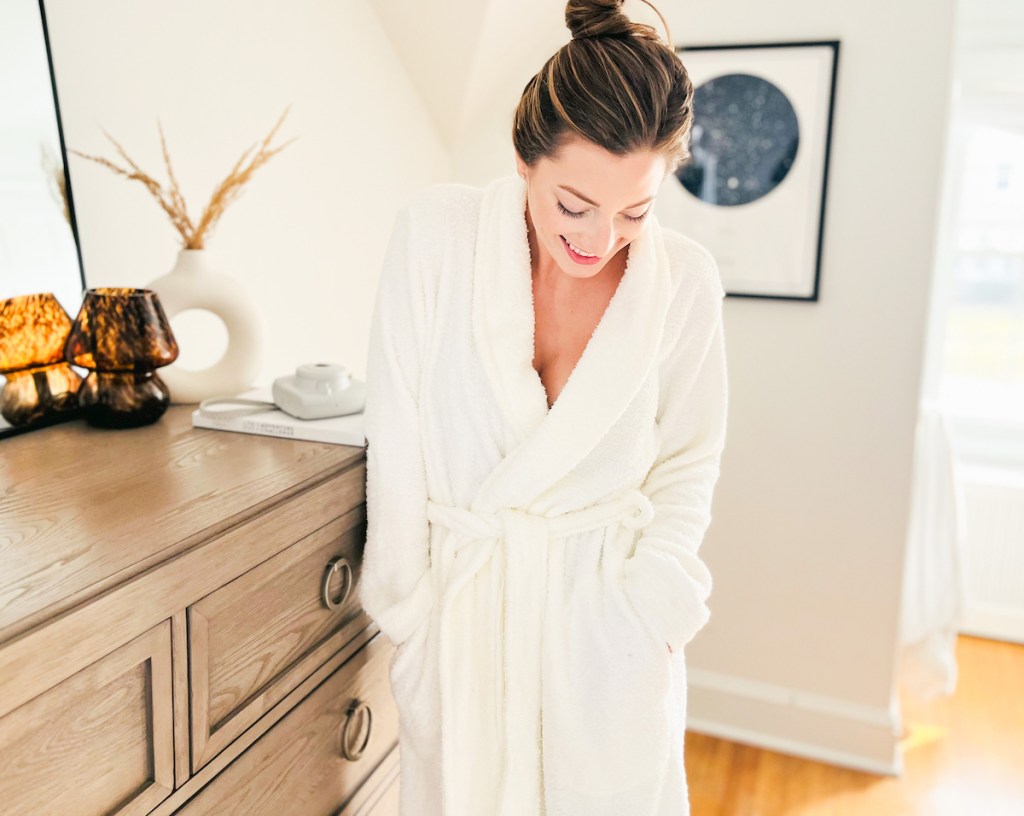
(100, 742)
(257, 637)
(298, 767)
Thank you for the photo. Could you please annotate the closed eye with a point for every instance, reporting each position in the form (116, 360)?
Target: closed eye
(571, 214)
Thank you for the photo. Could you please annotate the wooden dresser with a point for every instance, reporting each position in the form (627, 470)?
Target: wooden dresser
(179, 631)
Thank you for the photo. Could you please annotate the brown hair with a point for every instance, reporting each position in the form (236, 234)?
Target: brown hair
(615, 83)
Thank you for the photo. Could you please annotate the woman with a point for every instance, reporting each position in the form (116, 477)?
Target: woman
(545, 417)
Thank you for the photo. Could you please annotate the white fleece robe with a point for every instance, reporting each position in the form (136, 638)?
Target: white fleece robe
(534, 566)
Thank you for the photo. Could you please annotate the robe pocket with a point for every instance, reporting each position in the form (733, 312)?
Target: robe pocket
(641, 620)
(406, 663)
(412, 688)
(607, 723)
(615, 573)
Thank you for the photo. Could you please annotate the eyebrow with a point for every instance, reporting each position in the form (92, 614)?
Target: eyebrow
(578, 194)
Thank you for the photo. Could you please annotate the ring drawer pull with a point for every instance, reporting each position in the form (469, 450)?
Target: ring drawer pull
(337, 564)
(355, 708)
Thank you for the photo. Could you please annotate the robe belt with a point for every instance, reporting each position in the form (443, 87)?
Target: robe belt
(525, 537)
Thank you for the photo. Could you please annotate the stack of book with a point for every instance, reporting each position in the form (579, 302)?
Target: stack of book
(270, 421)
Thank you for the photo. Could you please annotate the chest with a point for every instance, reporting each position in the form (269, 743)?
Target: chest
(486, 412)
(563, 325)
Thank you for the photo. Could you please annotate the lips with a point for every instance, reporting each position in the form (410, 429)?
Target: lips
(580, 259)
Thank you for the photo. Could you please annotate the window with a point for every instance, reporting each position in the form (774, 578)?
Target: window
(983, 357)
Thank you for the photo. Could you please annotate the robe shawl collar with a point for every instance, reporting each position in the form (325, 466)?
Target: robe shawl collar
(544, 445)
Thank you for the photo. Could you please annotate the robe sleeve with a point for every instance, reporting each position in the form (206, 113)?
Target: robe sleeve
(394, 586)
(665, 579)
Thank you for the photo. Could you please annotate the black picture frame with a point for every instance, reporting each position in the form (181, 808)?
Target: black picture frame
(755, 188)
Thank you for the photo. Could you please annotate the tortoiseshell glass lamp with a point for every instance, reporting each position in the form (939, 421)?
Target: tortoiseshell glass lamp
(41, 387)
(122, 335)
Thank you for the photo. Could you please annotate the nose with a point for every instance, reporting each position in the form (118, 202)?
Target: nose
(602, 239)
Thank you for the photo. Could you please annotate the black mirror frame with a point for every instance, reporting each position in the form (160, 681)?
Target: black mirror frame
(63, 146)
(7, 431)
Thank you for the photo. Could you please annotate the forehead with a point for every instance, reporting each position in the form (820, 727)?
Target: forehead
(603, 176)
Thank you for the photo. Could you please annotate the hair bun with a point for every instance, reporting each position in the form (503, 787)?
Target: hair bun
(596, 18)
(587, 19)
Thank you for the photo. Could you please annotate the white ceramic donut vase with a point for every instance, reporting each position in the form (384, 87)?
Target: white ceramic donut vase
(191, 284)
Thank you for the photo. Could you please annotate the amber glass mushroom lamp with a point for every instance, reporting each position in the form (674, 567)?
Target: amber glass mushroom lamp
(41, 387)
(122, 336)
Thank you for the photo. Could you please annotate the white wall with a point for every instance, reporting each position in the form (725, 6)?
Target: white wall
(308, 234)
(810, 516)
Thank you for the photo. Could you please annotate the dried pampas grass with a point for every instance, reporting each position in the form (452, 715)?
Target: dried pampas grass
(195, 234)
(57, 180)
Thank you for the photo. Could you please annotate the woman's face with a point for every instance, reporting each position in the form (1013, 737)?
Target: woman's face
(590, 198)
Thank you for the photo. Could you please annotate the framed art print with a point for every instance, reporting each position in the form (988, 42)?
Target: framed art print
(753, 189)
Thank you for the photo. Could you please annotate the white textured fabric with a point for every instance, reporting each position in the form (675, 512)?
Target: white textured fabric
(535, 566)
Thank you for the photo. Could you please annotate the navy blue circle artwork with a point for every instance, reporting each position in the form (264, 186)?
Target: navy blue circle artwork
(743, 143)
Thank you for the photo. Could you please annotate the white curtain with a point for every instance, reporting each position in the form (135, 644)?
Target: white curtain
(933, 580)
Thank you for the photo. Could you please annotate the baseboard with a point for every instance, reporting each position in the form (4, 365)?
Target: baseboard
(992, 621)
(811, 726)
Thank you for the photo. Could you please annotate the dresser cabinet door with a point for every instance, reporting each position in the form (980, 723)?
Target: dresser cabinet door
(379, 795)
(99, 742)
(259, 636)
(299, 766)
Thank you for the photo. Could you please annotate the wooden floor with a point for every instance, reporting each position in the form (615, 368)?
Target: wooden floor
(963, 756)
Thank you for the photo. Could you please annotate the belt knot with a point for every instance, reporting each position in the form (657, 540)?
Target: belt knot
(522, 525)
